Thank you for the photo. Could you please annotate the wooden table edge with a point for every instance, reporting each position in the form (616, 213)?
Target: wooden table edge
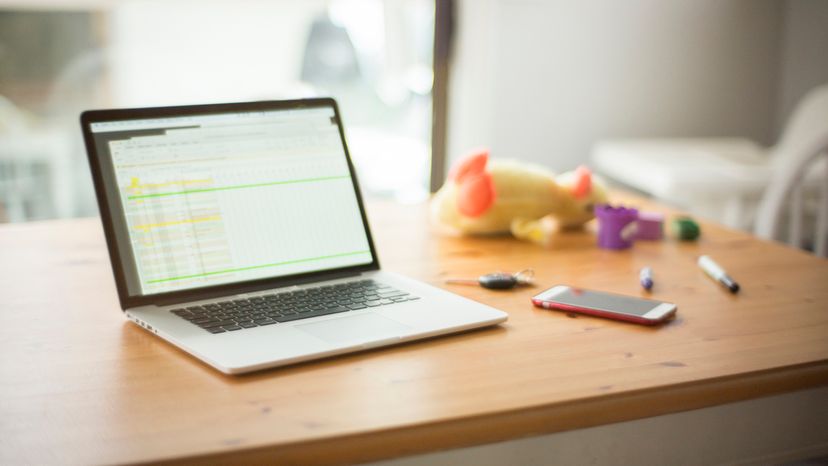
(526, 422)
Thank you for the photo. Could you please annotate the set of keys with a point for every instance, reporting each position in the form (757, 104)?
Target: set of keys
(498, 280)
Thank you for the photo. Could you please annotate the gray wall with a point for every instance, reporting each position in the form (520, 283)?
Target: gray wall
(542, 80)
(804, 53)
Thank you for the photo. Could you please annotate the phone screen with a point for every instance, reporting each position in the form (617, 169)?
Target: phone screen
(603, 301)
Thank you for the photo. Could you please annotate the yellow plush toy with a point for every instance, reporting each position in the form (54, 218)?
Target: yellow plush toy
(483, 196)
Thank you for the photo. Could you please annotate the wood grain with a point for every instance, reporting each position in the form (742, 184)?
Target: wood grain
(80, 384)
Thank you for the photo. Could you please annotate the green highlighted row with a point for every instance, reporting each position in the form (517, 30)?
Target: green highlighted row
(275, 264)
(239, 186)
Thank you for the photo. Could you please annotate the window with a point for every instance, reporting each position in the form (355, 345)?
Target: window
(373, 56)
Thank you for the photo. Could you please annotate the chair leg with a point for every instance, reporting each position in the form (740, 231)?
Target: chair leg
(821, 238)
(795, 218)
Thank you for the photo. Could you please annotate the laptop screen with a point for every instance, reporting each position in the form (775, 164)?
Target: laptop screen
(211, 199)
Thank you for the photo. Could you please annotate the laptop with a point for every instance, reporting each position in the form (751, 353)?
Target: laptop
(237, 232)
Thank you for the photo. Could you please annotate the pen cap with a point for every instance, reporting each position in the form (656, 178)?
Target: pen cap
(645, 276)
(686, 229)
(710, 267)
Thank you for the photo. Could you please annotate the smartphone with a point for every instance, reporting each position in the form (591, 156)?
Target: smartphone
(609, 305)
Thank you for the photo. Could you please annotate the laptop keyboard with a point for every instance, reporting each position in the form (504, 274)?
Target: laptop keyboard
(238, 314)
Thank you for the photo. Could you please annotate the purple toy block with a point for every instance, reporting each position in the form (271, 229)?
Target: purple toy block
(616, 226)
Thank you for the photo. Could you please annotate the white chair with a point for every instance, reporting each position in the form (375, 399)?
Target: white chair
(802, 155)
(722, 179)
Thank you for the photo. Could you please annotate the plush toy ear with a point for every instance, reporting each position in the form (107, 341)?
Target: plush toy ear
(475, 194)
(582, 184)
(475, 187)
(470, 165)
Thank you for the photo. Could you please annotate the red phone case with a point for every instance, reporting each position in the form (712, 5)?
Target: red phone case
(599, 313)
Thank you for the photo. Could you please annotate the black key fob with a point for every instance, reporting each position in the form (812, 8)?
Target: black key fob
(498, 281)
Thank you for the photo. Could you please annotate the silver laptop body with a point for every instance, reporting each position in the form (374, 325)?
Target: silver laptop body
(237, 232)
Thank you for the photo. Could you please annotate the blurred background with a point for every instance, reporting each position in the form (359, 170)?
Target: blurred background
(554, 82)
(685, 101)
(58, 58)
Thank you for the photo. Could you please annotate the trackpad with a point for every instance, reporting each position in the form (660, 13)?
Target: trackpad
(362, 327)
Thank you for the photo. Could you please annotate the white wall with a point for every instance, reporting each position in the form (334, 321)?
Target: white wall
(804, 54)
(542, 80)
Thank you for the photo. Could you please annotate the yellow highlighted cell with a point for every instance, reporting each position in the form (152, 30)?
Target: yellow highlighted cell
(146, 228)
(136, 187)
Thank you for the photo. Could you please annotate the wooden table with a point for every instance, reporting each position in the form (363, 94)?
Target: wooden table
(80, 384)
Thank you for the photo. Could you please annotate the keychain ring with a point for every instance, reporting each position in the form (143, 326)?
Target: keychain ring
(525, 276)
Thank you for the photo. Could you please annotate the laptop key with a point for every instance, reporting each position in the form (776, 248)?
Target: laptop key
(310, 314)
(231, 328)
(356, 306)
(216, 330)
(212, 324)
(248, 325)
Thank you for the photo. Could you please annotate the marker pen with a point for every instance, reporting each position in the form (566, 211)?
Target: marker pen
(646, 278)
(717, 273)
